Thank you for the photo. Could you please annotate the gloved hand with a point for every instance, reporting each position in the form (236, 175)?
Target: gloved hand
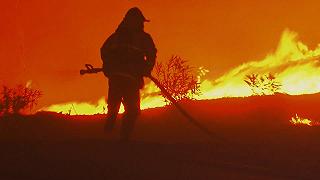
(146, 72)
(105, 74)
(105, 70)
(147, 69)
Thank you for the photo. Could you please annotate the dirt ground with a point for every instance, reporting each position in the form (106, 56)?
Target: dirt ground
(252, 140)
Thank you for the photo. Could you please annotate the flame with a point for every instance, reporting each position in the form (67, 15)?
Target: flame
(295, 66)
(150, 99)
(296, 120)
(28, 84)
(74, 108)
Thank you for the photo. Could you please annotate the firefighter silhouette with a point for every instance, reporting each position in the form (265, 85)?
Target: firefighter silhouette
(127, 55)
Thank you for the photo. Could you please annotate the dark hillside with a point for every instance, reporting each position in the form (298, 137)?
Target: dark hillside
(259, 143)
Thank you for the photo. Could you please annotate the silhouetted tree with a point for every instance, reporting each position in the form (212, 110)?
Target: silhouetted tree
(14, 100)
(263, 84)
(178, 78)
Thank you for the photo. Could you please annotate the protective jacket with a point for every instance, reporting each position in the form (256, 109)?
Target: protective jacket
(128, 53)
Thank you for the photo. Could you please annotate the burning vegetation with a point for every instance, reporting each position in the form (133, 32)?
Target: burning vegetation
(296, 120)
(291, 69)
(295, 66)
(263, 85)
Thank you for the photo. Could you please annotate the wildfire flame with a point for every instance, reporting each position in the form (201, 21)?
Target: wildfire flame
(295, 66)
(296, 120)
(150, 99)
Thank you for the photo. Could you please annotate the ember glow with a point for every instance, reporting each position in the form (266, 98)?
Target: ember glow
(296, 120)
(294, 65)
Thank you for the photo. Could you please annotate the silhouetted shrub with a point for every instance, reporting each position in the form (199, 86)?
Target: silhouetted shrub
(14, 100)
(1, 106)
(263, 84)
(178, 78)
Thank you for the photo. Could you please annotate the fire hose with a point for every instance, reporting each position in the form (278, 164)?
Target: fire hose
(90, 69)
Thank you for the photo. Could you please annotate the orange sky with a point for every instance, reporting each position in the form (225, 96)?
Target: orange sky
(48, 41)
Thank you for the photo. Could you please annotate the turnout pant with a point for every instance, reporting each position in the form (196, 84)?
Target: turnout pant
(124, 90)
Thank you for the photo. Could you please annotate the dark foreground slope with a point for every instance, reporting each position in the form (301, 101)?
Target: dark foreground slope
(253, 140)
